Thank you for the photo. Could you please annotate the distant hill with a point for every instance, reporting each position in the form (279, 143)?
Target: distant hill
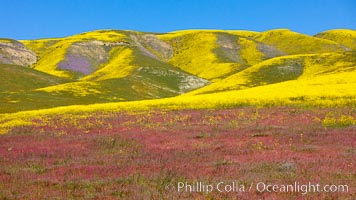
(341, 36)
(285, 68)
(293, 43)
(14, 52)
(113, 65)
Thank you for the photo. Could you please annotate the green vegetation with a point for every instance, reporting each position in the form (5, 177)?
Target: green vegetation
(118, 114)
(332, 120)
(18, 78)
(198, 68)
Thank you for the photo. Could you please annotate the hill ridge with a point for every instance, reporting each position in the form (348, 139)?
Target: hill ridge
(124, 65)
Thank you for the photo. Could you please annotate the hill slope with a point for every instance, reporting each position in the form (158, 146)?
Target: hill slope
(291, 42)
(341, 36)
(19, 78)
(214, 54)
(14, 52)
(114, 66)
(285, 68)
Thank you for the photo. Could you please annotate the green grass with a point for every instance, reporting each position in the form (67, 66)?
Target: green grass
(138, 121)
(154, 79)
(338, 121)
(18, 78)
(143, 66)
(330, 90)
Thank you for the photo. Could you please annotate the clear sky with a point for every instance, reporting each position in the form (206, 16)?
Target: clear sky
(30, 19)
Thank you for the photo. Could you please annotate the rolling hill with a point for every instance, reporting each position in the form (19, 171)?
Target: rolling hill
(341, 36)
(14, 52)
(285, 68)
(18, 78)
(292, 43)
(118, 66)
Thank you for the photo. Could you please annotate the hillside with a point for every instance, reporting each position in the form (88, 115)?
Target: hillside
(14, 52)
(117, 66)
(285, 68)
(115, 54)
(19, 78)
(215, 55)
(341, 36)
(328, 90)
(291, 42)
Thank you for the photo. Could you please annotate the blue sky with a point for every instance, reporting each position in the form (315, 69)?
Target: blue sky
(30, 19)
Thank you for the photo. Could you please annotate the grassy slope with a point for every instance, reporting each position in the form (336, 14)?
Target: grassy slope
(206, 53)
(335, 89)
(128, 75)
(283, 69)
(151, 66)
(295, 43)
(53, 51)
(19, 78)
(341, 36)
(17, 84)
(120, 65)
(213, 54)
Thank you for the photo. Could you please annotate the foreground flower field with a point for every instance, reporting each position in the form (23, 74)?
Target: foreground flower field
(146, 155)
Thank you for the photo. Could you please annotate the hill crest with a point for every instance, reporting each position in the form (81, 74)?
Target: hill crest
(114, 65)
